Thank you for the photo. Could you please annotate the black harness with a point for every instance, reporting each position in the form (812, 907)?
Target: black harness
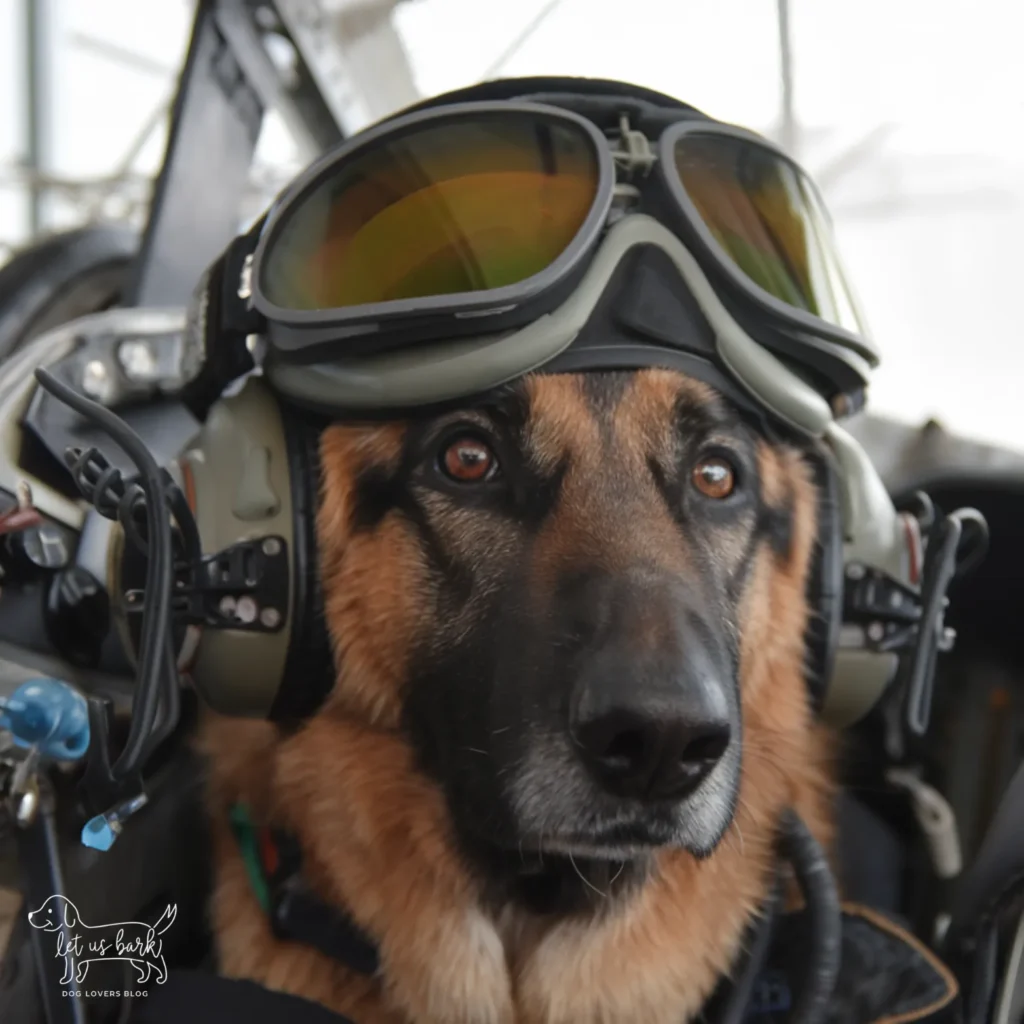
(273, 861)
(826, 963)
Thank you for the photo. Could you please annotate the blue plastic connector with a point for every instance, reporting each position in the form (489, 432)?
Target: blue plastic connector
(50, 715)
(101, 832)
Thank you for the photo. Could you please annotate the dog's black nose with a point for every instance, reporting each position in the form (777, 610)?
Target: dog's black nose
(653, 751)
(649, 711)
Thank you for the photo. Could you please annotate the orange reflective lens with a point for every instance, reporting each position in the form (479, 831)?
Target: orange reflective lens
(768, 220)
(463, 206)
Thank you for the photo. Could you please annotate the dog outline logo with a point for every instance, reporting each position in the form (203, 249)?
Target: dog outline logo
(80, 944)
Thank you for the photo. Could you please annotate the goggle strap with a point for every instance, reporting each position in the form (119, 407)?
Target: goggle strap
(236, 311)
(222, 321)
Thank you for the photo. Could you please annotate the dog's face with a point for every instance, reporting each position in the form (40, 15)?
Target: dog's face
(560, 596)
(55, 913)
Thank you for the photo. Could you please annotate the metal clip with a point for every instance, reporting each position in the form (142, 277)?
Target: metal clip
(19, 788)
(24, 795)
(937, 821)
(633, 151)
(24, 514)
(245, 279)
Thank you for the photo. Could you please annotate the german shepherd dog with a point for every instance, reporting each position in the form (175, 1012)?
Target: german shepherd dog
(570, 709)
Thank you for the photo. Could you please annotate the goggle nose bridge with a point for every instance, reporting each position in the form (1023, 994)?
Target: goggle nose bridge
(632, 150)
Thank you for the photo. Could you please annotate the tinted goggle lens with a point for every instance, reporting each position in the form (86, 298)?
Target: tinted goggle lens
(468, 205)
(768, 220)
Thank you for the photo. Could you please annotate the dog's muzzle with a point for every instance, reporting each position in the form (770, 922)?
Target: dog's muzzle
(649, 711)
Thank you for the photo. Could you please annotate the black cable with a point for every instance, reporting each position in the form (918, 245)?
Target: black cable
(940, 568)
(184, 518)
(818, 886)
(155, 633)
(102, 484)
(922, 508)
(170, 704)
(737, 1004)
(193, 551)
(974, 539)
(127, 1002)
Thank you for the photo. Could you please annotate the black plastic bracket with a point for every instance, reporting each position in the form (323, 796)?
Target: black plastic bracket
(98, 789)
(940, 567)
(888, 610)
(245, 587)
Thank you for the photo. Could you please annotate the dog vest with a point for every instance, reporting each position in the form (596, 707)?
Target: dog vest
(886, 975)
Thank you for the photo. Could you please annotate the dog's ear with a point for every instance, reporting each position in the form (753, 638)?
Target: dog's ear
(70, 914)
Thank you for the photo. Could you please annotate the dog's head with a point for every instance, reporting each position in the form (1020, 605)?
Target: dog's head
(566, 597)
(55, 913)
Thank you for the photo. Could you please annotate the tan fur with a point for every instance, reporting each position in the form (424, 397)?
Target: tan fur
(560, 422)
(373, 602)
(645, 418)
(564, 427)
(375, 832)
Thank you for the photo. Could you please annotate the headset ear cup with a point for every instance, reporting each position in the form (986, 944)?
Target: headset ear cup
(309, 672)
(825, 584)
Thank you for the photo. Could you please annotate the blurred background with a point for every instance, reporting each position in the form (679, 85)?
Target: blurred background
(909, 113)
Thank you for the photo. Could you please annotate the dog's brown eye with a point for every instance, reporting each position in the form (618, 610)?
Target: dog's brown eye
(469, 461)
(714, 478)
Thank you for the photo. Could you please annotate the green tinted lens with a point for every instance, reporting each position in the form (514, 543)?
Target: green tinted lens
(767, 218)
(467, 205)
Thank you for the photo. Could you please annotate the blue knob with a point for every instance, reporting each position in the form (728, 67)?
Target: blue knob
(50, 715)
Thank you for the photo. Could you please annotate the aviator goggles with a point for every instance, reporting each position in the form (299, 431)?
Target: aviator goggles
(383, 274)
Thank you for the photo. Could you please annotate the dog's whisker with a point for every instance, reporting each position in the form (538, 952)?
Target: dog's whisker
(739, 836)
(615, 877)
(587, 883)
(750, 811)
(498, 732)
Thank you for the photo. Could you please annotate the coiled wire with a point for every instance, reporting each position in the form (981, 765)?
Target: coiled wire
(144, 511)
